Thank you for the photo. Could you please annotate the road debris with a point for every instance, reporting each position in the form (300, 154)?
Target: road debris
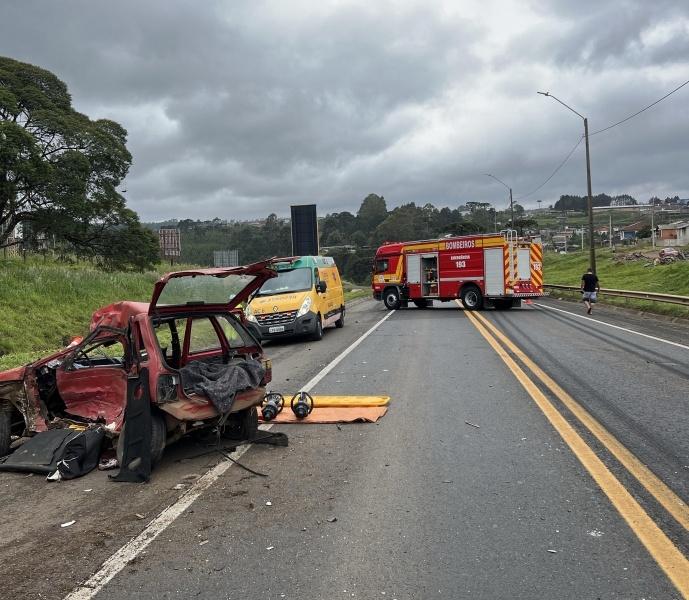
(139, 516)
(553, 551)
(473, 424)
(179, 486)
(106, 464)
(68, 524)
(269, 503)
(270, 547)
(203, 542)
(331, 519)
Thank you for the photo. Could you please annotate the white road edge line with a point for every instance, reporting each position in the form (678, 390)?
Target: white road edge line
(650, 337)
(311, 384)
(118, 561)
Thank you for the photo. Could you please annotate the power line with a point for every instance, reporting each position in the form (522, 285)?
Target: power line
(639, 112)
(562, 164)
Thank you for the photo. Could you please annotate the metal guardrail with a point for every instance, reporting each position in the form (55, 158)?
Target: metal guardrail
(668, 298)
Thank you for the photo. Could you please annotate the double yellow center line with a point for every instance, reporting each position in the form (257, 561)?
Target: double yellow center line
(664, 552)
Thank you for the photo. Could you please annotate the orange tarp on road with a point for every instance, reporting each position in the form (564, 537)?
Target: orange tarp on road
(341, 414)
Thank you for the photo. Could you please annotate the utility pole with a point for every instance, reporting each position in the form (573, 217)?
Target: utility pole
(592, 247)
(653, 229)
(610, 229)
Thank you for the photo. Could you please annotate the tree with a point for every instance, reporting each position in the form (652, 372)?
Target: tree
(59, 171)
(372, 213)
(524, 223)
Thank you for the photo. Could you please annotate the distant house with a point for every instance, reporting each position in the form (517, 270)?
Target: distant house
(630, 232)
(674, 234)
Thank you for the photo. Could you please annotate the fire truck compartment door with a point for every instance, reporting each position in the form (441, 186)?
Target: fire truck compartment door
(523, 265)
(413, 268)
(494, 272)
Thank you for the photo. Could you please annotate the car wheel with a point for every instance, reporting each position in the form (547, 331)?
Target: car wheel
(5, 430)
(472, 299)
(340, 322)
(318, 334)
(158, 440)
(391, 299)
(242, 425)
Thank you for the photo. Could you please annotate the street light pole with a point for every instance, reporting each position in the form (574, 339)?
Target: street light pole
(511, 204)
(592, 247)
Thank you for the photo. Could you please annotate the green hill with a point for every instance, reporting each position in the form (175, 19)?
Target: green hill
(45, 303)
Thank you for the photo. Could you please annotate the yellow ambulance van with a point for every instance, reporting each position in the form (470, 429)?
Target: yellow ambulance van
(302, 300)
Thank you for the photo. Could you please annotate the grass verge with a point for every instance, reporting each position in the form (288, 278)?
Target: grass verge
(622, 275)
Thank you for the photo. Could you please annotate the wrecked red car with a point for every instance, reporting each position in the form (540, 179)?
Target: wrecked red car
(192, 324)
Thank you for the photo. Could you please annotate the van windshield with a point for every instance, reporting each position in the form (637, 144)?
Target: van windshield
(294, 280)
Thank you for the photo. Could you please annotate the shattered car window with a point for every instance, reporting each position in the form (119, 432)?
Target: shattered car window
(108, 353)
(202, 289)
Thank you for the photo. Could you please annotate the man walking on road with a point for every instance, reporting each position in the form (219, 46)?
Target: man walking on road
(590, 288)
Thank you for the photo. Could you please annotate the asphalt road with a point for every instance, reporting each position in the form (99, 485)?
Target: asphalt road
(420, 505)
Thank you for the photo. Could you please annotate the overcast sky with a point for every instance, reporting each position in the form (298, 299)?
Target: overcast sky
(236, 109)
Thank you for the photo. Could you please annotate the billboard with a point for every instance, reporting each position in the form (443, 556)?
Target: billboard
(170, 242)
(225, 258)
(304, 230)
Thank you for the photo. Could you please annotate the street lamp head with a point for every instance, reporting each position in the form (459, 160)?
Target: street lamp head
(544, 93)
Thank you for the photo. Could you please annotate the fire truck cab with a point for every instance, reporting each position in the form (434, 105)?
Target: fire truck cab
(495, 269)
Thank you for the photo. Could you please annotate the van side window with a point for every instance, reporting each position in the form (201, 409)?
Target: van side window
(381, 265)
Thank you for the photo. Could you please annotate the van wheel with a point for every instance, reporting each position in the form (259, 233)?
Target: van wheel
(318, 334)
(391, 299)
(158, 440)
(472, 299)
(242, 425)
(5, 430)
(340, 322)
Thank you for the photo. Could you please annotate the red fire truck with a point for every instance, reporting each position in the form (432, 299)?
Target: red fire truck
(492, 269)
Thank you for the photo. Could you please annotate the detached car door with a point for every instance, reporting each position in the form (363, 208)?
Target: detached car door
(92, 381)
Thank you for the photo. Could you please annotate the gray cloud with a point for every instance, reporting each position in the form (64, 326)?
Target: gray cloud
(237, 109)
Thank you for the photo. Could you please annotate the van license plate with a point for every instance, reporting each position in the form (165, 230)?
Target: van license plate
(276, 329)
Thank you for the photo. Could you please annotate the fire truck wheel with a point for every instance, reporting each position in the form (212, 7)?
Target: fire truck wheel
(421, 303)
(391, 298)
(472, 299)
(502, 304)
